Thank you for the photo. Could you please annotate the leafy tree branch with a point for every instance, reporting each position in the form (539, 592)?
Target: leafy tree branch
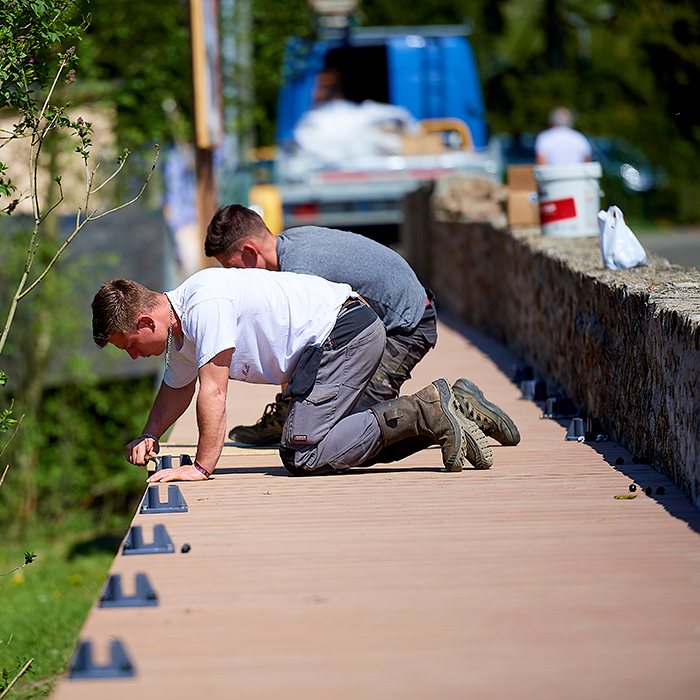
(5, 682)
(29, 31)
(29, 557)
(33, 63)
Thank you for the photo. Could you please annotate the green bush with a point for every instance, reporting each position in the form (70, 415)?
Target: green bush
(79, 436)
(68, 454)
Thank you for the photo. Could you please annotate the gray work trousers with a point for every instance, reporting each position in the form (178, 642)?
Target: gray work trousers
(323, 431)
(403, 351)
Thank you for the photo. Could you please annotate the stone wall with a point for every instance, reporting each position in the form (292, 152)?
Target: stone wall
(624, 345)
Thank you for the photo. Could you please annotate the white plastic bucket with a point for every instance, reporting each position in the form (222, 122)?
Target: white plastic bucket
(569, 198)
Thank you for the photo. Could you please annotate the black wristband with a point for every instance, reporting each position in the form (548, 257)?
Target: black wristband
(153, 437)
(201, 470)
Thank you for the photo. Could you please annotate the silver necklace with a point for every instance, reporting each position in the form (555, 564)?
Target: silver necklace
(170, 336)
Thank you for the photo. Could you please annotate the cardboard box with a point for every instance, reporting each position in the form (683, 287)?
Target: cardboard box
(523, 208)
(520, 177)
(423, 144)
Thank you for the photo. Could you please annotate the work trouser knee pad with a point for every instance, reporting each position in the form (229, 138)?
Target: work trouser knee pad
(287, 455)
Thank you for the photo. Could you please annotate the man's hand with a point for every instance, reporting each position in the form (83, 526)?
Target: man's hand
(142, 449)
(185, 473)
(169, 405)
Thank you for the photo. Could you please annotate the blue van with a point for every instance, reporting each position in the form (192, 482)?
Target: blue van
(426, 74)
(430, 71)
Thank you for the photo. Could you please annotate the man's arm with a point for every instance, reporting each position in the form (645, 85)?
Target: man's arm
(211, 419)
(169, 405)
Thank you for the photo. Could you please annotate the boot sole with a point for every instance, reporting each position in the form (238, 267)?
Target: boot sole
(478, 450)
(506, 431)
(471, 444)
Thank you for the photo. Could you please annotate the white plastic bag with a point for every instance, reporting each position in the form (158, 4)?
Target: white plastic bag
(619, 246)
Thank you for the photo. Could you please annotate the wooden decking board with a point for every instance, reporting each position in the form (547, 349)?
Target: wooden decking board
(529, 580)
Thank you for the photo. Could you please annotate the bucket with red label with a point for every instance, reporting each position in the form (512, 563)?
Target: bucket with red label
(569, 198)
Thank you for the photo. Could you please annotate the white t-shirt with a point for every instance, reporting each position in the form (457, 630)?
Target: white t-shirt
(267, 317)
(561, 145)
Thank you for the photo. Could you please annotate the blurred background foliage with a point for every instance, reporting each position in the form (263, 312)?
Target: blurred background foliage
(136, 56)
(627, 68)
(67, 455)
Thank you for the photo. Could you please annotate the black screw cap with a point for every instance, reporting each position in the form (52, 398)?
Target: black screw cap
(185, 548)
(633, 487)
(620, 460)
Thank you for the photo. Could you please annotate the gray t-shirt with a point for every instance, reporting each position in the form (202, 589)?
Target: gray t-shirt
(380, 275)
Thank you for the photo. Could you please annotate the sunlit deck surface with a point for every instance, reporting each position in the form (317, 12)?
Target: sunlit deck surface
(526, 581)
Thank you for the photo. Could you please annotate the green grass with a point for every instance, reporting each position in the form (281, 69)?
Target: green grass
(43, 606)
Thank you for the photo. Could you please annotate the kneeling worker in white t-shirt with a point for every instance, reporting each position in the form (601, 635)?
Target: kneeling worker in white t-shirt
(258, 326)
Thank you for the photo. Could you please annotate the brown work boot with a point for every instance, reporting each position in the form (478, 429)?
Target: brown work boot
(267, 431)
(434, 413)
(492, 420)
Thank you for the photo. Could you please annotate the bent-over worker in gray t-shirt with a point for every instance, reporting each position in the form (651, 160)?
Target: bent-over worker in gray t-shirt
(238, 237)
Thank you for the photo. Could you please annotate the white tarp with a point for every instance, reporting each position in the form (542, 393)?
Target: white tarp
(340, 131)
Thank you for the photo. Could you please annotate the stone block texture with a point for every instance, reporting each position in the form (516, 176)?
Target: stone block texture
(624, 345)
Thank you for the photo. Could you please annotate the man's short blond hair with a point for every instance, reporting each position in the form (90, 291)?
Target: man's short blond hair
(116, 307)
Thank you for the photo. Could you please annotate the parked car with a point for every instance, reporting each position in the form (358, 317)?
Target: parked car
(619, 159)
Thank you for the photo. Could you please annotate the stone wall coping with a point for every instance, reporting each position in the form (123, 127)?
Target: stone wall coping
(661, 283)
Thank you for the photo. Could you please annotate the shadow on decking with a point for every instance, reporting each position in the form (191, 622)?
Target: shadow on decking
(503, 358)
(281, 471)
(674, 501)
(643, 476)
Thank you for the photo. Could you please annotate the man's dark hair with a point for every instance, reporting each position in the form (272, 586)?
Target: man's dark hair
(231, 225)
(116, 307)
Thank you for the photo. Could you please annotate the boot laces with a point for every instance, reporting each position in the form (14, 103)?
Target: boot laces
(273, 412)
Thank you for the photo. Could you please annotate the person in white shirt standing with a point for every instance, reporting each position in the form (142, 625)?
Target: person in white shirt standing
(561, 144)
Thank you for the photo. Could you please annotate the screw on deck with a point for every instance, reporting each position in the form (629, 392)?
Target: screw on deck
(162, 544)
(151, 501)
(112, 596)
(119, 666)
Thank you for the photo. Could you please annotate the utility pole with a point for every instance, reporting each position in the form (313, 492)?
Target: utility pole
(208, 117)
